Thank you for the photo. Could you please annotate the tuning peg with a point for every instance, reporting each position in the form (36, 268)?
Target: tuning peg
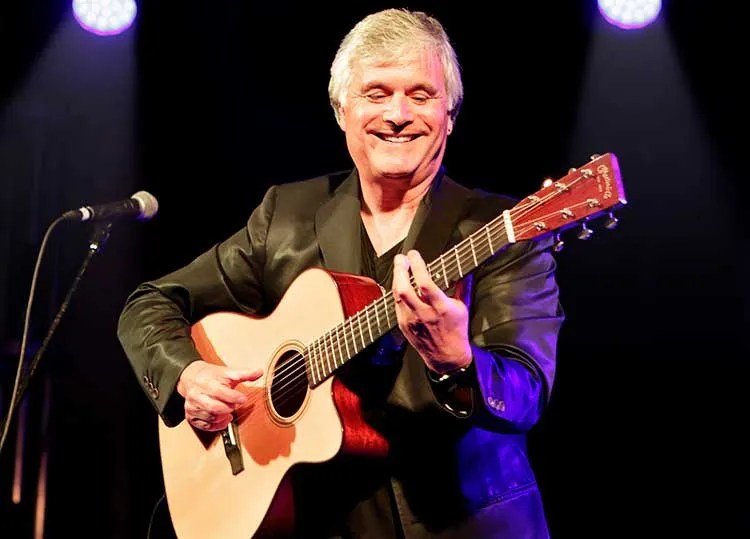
(547, 182)
(595, 156)
(571, 170)
(585, 232)
(559, 244)
(611, 222)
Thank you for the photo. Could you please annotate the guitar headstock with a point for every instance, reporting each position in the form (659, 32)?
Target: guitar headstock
(583, 194)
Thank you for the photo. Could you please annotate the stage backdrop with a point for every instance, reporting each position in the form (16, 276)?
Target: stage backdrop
(208, 104)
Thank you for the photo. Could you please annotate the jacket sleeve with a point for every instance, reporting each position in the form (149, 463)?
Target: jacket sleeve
(155, 324)
(515, 318)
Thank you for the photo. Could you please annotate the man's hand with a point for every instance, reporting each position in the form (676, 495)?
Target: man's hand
(436, 325)
(211, 394)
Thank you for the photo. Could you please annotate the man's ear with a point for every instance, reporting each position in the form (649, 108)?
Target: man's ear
(450, 124)
(341, 118)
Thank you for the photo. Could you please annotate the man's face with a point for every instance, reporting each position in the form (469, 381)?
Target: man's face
(396, 118)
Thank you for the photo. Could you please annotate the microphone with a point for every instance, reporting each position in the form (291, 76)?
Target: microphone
(141, 206)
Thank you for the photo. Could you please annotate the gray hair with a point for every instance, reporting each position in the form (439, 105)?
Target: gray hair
(389, 34)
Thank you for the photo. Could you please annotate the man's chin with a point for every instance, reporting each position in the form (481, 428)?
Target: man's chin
(397, 171)
(397, 175)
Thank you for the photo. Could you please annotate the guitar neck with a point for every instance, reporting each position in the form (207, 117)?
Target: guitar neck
(582, 194)
(332, 350)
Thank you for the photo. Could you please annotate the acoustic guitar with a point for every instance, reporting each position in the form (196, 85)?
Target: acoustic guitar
(231, 484)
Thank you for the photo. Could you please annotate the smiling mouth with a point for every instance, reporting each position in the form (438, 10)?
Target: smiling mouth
(400, 139)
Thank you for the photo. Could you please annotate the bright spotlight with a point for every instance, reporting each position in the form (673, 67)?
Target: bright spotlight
(630, 14)
(105, 17)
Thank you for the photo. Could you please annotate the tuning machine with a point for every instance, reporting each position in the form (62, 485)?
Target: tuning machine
(585, 232)
(558, 244)
(611, 222)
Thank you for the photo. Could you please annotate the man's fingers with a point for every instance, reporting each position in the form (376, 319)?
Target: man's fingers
(216, 390)
(235, 389)
(402, 289)
(203, 405)
(211, 423)
(236, 376)
(426, 289)
(229, 396)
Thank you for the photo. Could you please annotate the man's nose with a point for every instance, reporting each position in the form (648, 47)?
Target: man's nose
(398, 110)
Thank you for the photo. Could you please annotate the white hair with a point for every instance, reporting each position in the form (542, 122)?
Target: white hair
(390, 34)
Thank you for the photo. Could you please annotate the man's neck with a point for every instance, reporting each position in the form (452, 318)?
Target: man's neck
(392, 197)
(388, 209)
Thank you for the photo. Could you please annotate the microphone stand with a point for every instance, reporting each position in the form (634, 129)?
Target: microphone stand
(98, 238)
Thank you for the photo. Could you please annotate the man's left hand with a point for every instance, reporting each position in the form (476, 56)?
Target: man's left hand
(436, 325)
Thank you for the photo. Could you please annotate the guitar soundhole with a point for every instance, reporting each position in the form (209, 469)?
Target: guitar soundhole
(289, 386)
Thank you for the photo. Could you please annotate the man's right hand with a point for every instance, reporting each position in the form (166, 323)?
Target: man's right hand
(211, 394)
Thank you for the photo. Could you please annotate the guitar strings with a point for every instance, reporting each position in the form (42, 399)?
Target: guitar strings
(326, 342)
(295, 365)
(294, 369)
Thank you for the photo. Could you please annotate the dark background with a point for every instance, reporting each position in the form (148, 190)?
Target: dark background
(205, 104)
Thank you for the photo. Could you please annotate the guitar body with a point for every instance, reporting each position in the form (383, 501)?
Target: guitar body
(283, 423)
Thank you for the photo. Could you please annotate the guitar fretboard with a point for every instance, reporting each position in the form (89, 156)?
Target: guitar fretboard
(333, 349)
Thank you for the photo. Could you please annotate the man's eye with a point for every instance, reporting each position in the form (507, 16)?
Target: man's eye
(421, 99)
(376, 96)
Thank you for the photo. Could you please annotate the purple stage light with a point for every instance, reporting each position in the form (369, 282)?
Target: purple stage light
(105, 17)
(629, 14)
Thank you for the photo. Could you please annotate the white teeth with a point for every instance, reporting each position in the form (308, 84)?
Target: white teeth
(397, 139)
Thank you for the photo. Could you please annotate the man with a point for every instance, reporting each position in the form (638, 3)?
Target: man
(446, 399)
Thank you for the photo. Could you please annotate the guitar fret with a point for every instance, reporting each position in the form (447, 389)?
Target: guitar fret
(346, 342)
(377, 318)
(323, 358)
(369, 327)
(387, 318)
(445, 274)
(458, 261)
(352, 323)
(311, 362)
(328, 355)
(473, 252)
(338, 342)
(361, 333)
(489, 239)
(316, 361)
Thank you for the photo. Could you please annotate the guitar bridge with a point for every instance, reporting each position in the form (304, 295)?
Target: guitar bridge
(232, 447)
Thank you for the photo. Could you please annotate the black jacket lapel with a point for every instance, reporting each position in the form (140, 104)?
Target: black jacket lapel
(338, 230)
(436, 219)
